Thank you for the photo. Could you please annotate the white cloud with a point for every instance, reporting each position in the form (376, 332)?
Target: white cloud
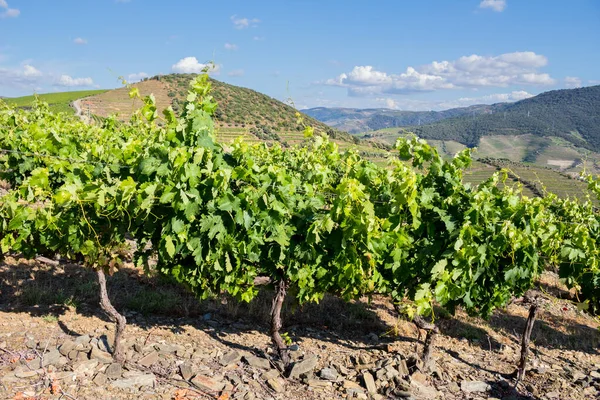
(10, 12)
(236, 72)
(594, 82)
(572, 82)
(80, 41)
(137, 77)
(242, 23)
(474, 71)
(190, 65)
(496, 5)
(258, 38)
(231, 46)
(66, 80)
(30, 71)
(26, 76)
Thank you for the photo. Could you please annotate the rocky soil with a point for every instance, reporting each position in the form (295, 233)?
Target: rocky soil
(58, 346)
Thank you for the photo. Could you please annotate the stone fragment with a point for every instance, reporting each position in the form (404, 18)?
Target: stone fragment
(149, 359)
(276, 385)
(85, 368)
(351, 385)
(403, 368)
(51, 358)
(329, 374)
(419, 377)
(369, 382)
(270, 374)
(84, 339)
(114, 371)
(164, 348)
(67, 347)
(100, 355)
(474, 386)
(25, 373)
(135, 381)
(303, 367)
(257, 362)
(208, 383)
(186, 371)
(100, 379)
(317, 383)
(230, 358)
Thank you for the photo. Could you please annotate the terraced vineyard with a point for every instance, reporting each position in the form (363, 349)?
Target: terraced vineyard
(547, 180)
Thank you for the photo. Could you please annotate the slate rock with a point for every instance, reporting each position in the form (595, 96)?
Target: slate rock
(276, 385)
(208, 383)
(230, 358)
(474, 386)
(67, 347)
(114, 371)
(101, 356)
(149, 359)
(135, 381)
(257, 362)
(303, 367)
(82, 340)
(85, 368)
(329, 374)
(100, 379)
(369, 382)
(186, 371)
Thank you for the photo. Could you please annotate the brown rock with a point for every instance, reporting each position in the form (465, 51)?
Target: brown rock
(208, 383)
(149, 359)
(369, 382)
(100, 379)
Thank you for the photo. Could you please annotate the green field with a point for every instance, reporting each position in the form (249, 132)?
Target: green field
(59, 102)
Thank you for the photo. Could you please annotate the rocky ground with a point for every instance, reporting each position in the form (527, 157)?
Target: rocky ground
(55, 343)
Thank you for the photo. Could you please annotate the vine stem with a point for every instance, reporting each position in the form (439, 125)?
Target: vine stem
(276, 324)
(432, 332)
(533, 310)
(118, 353)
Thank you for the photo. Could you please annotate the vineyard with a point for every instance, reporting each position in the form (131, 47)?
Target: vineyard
(299, 214)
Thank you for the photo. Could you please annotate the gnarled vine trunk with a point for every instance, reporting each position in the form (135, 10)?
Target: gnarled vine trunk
(276, 324)
(118, 352)
(533, 310)
(432, 332)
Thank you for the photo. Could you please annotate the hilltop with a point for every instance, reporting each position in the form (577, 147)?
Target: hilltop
(239, 109)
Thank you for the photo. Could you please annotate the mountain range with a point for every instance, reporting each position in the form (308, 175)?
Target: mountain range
(570, 114)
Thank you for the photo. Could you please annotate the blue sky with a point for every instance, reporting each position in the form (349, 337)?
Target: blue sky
(410, 55)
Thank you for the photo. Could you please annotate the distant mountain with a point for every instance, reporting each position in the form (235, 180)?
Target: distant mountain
(355, 120)
(571, 114)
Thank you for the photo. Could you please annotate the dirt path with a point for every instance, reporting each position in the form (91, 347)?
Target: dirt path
(78, 110)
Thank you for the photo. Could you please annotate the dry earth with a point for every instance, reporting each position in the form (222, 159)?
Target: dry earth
(54, 342)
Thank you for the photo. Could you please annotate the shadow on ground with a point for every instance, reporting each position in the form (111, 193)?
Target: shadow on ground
(148, 302)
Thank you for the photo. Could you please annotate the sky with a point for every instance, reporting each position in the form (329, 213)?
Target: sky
(406, 55)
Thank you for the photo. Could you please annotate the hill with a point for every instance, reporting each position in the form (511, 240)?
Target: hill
(240, 110)
(356, 120)
(58, 102)
(570, 114)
